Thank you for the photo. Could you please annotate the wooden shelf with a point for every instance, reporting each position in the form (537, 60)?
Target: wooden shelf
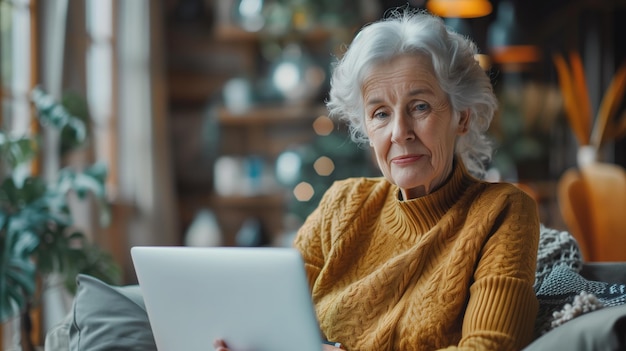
(271, 114)
(267, 130)
(255, 201)
(231, 32)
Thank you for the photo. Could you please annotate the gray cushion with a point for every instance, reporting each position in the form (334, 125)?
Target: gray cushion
(107, 317)
(58, 337)
(604, 329)
(614, 272)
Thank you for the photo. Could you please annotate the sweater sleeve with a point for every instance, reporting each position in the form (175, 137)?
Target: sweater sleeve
(309, 243)
(502, 306)
(312, 238)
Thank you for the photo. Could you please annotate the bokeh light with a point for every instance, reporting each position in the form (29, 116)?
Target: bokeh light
(288, 166)
(286, 77)
(324, 166)
(303, 191)
(323, 125)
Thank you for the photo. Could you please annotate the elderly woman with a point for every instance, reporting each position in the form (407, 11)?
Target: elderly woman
(426, 257)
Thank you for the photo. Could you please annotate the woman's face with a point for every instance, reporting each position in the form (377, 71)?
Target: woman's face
(410, 124)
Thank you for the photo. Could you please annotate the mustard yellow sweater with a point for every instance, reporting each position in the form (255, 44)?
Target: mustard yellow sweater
(451, 270)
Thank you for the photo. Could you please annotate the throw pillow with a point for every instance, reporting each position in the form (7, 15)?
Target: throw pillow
(109, 318)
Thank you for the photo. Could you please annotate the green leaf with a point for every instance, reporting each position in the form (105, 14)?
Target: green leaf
(77, 236)
(22, 265)
(98, 171)
(93, 261)
(90, 181)
(24, 279)
(36, 233)
(11, 304)
(17, 270)
(33, 189)
(51, 113)
(16, 150)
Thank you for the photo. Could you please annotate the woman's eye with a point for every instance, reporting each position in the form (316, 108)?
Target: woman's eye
(422, 106)
(380, 114)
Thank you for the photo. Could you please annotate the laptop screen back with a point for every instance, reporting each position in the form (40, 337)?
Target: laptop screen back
(253, 298)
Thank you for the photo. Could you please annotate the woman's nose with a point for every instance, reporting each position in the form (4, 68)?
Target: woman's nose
(403, 129)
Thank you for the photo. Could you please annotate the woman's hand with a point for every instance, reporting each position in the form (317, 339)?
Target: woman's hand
(220, 345)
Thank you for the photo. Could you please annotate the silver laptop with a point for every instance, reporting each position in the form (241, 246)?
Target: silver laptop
(253, 298)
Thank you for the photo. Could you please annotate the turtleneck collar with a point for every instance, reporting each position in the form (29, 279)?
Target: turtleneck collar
(426, 211)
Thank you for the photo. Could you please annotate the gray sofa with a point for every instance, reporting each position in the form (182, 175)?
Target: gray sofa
(107, 317)
(103, 317)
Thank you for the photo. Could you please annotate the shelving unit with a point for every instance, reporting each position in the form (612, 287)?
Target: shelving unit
(265, 132)
(203, 53)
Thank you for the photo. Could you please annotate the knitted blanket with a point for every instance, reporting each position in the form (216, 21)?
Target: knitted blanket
(556, 248)
(562, 292)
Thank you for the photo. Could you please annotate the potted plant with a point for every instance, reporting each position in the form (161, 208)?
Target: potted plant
(37, 232)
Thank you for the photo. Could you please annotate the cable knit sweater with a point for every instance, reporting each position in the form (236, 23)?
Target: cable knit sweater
(451, 270)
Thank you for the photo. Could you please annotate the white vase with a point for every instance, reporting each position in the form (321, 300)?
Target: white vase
(204, 230)
(586, 155)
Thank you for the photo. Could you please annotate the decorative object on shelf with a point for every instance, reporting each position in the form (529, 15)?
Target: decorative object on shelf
(204, 231)
(591, 134)
(280, 18)
(256, 179)
(277, 18)
(288, 167)
(252, 234)
(274, 17)
(591, 199)
(249, 14)
(237, 94)
(37, 236)
(592, 195)
(295, 76)
(227, 175)
(243, 176)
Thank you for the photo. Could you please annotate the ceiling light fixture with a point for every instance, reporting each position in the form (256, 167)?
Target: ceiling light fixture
(459, 8)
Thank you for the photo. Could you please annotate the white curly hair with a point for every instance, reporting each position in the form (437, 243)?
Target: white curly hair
(405, 31)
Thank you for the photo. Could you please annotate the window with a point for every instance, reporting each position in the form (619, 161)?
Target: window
(17, 63)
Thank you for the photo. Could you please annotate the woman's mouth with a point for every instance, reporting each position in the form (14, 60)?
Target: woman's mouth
(406, 159)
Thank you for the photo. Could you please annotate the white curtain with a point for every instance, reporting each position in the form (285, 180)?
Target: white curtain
(145, 172)
(56, 300)
(124, 81)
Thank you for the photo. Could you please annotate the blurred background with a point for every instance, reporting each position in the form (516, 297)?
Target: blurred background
(209, 114)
